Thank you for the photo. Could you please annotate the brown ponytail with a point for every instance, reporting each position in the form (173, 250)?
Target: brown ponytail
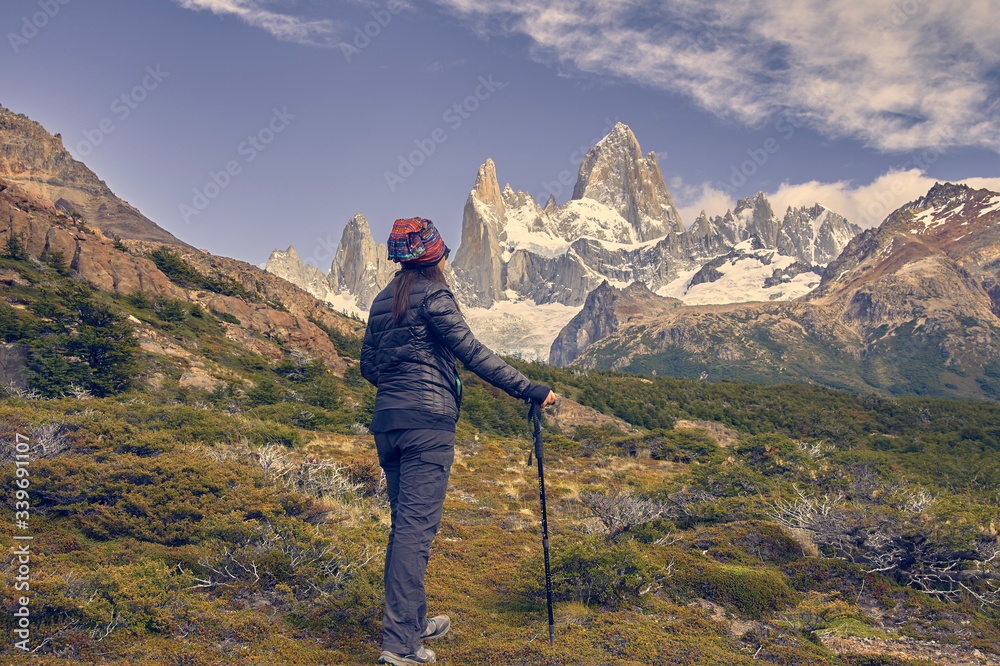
(404, 284)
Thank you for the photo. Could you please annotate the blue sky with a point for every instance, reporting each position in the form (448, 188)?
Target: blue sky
(247, 125)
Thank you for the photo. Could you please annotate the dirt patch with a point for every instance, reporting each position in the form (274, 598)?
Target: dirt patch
(723, 436)
(911, 648)
(568, 415)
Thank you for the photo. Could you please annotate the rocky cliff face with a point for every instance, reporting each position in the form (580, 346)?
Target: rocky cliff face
(281, 318)
(279, 299)
(615, 173)
(288, 266)
(813, 234)
(910, 307)
(477, 262)
(44, 231)
(38, 163)
(621, 226)
(361, 266)
(606, 309)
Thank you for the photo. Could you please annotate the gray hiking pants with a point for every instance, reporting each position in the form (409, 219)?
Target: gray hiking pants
(417, 464)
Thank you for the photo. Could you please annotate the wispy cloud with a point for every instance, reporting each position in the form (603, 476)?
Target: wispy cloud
(897, 76)
(286, 27)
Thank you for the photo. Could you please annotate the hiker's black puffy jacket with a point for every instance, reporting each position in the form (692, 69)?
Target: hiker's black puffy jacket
(413, 363)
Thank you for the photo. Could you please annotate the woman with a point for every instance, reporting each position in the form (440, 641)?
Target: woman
(415, 333)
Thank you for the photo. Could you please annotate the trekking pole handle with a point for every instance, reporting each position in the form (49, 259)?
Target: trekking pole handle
(535, 416)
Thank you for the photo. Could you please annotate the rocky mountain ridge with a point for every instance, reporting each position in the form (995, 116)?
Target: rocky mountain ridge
(277, 317)
(813, 234)
(39, 164)
(615, 173)
(621, 226)
(748, 272)
(909, 307)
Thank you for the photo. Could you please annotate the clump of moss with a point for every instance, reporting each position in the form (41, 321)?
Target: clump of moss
(751, 542)
(753, 592)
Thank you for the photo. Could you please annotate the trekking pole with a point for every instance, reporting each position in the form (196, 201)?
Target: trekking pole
(535, 422)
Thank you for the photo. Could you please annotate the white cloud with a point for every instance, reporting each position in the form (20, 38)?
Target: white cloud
(285, 27)
(691, 200)
(865, 205)
(908, 75)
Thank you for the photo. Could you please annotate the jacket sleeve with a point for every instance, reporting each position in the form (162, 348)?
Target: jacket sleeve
(369, 365)
(449, 326)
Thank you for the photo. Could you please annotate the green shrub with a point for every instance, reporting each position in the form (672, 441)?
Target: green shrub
(752, 592)
(683, 446)
(172, 310)
(769, 454)
(297, 415)
(56, 260)
(751, 542)
(14, 247)
(273, 433)
(324, 392)
(346, 344)
(589, 569)
(225, 316)
(267, 392)
(86, 344)
(184, 275)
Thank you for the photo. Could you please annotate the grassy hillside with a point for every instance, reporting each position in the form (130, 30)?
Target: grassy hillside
(177, 524)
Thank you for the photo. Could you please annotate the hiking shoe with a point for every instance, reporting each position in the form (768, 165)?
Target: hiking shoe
(423, 656)
(437, 627)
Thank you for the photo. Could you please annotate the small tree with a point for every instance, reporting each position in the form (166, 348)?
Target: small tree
(267, 392)
(14, 247)
(620, 510)
(56, 260)
(172, 310)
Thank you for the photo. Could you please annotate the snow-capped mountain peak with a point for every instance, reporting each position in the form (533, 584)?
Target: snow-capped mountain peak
(615, 173)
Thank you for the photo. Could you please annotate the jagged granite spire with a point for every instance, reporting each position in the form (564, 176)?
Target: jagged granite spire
(815, 234)
(361, 267)
(478, 263)
(287, 265)
(615, 173)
